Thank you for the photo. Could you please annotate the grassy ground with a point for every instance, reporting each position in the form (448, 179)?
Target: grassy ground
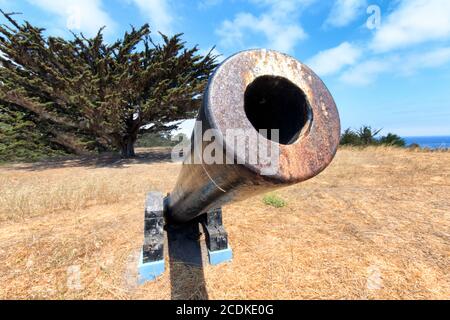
(375, 224)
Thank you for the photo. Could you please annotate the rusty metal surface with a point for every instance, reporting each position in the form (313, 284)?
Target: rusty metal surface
(204, 186)
(312, 152)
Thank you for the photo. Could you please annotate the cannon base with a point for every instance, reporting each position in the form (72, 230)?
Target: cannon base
(216, 237)
(149, 271)
(151, 261)
(220, 256)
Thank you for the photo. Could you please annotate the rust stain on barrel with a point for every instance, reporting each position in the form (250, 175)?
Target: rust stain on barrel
(223, 109)
(304, 158)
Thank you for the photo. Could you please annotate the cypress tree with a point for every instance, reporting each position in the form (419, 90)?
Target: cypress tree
(94, 95)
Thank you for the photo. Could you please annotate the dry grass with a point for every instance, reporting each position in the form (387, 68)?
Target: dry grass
(375, 224)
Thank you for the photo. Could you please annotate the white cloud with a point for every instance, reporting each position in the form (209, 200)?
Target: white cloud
(365, 73)
(278, 24)
(344, 12)
(86, 16)
(159, 14)
(413, 22)
(399, 65)
(331, 61)
(279, 36)
(435, 58)
(410, 25)
(431, 59)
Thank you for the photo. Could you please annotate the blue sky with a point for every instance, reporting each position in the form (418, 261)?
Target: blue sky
(386, 63)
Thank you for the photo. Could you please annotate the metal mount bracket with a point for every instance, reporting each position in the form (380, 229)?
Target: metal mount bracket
(216, 237)
(151, 262)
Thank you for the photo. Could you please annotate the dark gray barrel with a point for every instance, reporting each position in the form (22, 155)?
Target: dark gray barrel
(250, 91)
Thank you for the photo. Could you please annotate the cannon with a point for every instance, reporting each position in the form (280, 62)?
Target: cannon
(267, 121)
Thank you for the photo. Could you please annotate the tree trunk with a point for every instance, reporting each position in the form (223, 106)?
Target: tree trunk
(133, 125)
(127, 148)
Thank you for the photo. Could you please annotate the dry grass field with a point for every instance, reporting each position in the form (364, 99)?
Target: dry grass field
(374, 225)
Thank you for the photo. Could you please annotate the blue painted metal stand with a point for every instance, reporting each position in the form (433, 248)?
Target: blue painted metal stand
(220, 256)
(151, 261)
(149, 271)
(219, 250)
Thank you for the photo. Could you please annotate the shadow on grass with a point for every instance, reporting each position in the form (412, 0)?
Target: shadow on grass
(186, 262)
(103, 160)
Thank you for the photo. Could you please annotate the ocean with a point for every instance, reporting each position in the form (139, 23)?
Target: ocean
(437, 142)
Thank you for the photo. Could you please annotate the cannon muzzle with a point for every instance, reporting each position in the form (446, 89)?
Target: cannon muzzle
(267, 121)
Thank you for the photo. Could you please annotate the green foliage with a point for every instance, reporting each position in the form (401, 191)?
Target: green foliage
(274, 201)
(22, 139)
(366, 136)
(96, 95)
(392, 140)
(159, 139)
(349, 137)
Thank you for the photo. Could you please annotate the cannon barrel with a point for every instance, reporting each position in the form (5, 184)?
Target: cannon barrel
(249, 92)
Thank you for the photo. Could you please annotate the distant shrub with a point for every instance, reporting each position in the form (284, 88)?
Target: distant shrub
(414, 146)
(366, 136)
(392, 140)
(157, 139)
(274, 201)
(350, 137)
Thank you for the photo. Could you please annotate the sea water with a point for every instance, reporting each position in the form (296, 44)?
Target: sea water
(432, 142)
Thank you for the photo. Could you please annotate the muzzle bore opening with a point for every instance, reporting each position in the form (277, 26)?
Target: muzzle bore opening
(273, 102)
